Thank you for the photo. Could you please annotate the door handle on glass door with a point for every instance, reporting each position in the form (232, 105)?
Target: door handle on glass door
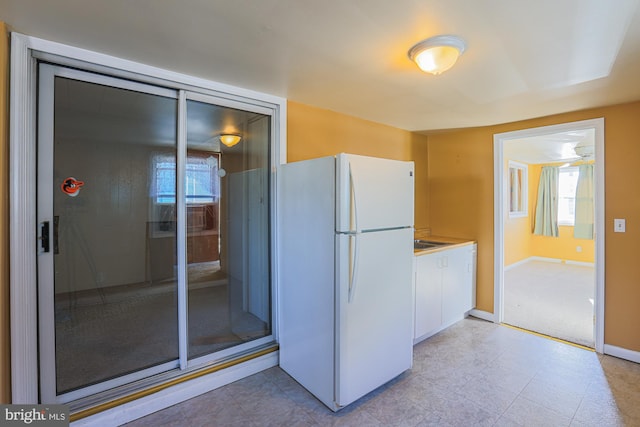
(56, 223)
(44, 236)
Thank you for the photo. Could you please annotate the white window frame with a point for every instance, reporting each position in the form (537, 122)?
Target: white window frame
(560, 172)
(522, 190)
(25, 51)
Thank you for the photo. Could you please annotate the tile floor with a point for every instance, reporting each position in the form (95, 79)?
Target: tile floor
(475, 373)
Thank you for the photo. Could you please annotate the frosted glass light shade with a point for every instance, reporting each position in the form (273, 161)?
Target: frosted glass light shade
(437, 54)
(229, 139)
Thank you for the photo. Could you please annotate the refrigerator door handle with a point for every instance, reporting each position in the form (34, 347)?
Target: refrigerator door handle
(353, 266)
(354, 201)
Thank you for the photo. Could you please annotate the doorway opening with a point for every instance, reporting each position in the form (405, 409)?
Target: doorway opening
(549, 214)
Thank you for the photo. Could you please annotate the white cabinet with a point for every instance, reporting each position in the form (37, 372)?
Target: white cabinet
(428, 299)
(444, 289)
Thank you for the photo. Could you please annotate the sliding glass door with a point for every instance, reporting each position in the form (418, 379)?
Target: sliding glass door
(154, 235)
(227, 194)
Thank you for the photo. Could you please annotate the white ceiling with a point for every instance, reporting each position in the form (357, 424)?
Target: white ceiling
(552, 148)
(524, 59)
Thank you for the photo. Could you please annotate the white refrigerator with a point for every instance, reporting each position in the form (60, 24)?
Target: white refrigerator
(345, 295)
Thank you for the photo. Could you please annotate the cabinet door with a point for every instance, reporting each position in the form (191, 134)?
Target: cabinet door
(456, 285)
(473, 268)
(468, 283)
(454, 297)
(428, 308)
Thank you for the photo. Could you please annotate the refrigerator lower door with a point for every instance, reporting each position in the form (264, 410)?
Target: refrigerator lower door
(374, 342)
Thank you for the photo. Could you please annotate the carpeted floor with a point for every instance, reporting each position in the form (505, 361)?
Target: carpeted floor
(552, 299)
(101, 335)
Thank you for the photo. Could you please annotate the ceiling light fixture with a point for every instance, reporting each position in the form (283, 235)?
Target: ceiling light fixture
(437, 54)
(229, 139)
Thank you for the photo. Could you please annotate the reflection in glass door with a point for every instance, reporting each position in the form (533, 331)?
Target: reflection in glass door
(139, 278)
(227, 191)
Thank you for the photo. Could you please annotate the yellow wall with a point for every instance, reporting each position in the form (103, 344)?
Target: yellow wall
(517, 240)
(461, 204)
(461, 196)
(313, 132)
(5, 384)
(564, 246)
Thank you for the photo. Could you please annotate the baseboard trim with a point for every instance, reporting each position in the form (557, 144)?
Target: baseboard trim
(532, 258)
(179, 393)
(581, 263)
(516, 264)
(546, 259)
(483, 315)
(622, 353)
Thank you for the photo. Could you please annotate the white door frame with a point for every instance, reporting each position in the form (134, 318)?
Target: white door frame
(25, 52)
(500, 191)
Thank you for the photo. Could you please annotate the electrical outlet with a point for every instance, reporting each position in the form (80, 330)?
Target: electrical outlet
(619, 225)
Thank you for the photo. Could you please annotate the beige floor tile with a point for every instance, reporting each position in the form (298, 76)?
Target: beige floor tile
(599, 412)
(472, 374)
(489, 396)
(507, 378)
(560, 399)
(457, 410)
(527, 413)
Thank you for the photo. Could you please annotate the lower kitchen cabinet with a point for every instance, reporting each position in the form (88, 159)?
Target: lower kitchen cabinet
(445, 284)
(428, 294)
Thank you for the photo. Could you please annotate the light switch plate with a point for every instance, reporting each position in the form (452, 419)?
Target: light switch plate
(619, 225)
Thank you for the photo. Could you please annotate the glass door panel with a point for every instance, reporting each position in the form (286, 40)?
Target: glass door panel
(227, 192)
(158, 250)
(114, 233)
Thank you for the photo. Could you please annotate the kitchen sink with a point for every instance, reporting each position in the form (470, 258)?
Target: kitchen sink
(427, 244)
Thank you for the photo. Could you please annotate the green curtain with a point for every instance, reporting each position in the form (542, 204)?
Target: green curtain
(546, 219)
(583, 227)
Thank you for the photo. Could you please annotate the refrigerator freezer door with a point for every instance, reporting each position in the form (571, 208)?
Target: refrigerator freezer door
(374, 310)
(373, 193)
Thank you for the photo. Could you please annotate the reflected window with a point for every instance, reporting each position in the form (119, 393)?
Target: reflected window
(202, 183)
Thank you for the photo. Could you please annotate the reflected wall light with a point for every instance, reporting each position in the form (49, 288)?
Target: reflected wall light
(437, 54)
(230, 139)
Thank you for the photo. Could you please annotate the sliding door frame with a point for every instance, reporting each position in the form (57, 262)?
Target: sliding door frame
(26, 52)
